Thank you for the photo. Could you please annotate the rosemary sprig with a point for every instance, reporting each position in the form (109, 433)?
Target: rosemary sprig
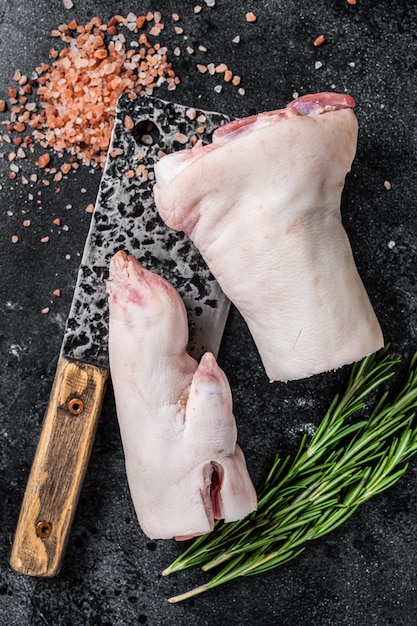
(345, 463)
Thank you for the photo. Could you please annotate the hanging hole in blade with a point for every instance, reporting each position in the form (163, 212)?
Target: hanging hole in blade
(146, 133)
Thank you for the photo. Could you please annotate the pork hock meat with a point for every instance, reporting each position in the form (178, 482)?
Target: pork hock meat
(262, 204)
(178, 431)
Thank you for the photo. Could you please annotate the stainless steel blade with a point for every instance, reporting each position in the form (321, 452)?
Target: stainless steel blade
(125, 218)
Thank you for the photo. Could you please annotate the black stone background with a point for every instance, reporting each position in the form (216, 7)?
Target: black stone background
(365, 572)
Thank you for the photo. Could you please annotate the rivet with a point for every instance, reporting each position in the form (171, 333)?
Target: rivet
(43, 529)
(75, 406)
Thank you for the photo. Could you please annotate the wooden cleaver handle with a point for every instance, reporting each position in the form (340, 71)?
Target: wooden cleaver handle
(58, 468)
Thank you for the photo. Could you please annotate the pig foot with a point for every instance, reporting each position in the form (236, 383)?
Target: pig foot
(265, 216)
(178, 431)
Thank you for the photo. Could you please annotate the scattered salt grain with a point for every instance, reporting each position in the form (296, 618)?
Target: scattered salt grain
(65, 168)
(44, 160)
(318, 65)
(116, 152)
(191, 113)
(391, 244)
(387, 184)
(181, 138)
(319, 41)
(222, 67)
(15, 239)
(129, 123)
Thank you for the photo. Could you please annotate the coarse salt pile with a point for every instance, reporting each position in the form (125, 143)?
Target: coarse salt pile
(67, 106)
(77, 92)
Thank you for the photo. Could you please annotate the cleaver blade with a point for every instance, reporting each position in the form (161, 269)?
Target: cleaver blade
(124, 218)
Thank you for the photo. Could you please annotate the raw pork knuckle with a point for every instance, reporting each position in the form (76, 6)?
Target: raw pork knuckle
(262, 204)
(178, 431)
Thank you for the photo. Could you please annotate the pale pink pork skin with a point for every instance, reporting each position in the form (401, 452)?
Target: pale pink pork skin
(262, 204)
(178, 431)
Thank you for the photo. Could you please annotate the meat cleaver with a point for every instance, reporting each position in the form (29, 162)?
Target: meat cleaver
(124, 218)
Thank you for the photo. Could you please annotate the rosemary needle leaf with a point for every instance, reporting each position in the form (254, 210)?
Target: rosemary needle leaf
(345, 464)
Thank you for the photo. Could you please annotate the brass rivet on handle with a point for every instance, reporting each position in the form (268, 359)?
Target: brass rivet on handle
(75, 406)
(43, 529)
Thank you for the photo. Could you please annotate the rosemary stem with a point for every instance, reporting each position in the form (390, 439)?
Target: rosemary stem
(345, 464)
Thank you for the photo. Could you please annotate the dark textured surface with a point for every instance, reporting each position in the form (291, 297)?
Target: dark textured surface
(363, 573)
